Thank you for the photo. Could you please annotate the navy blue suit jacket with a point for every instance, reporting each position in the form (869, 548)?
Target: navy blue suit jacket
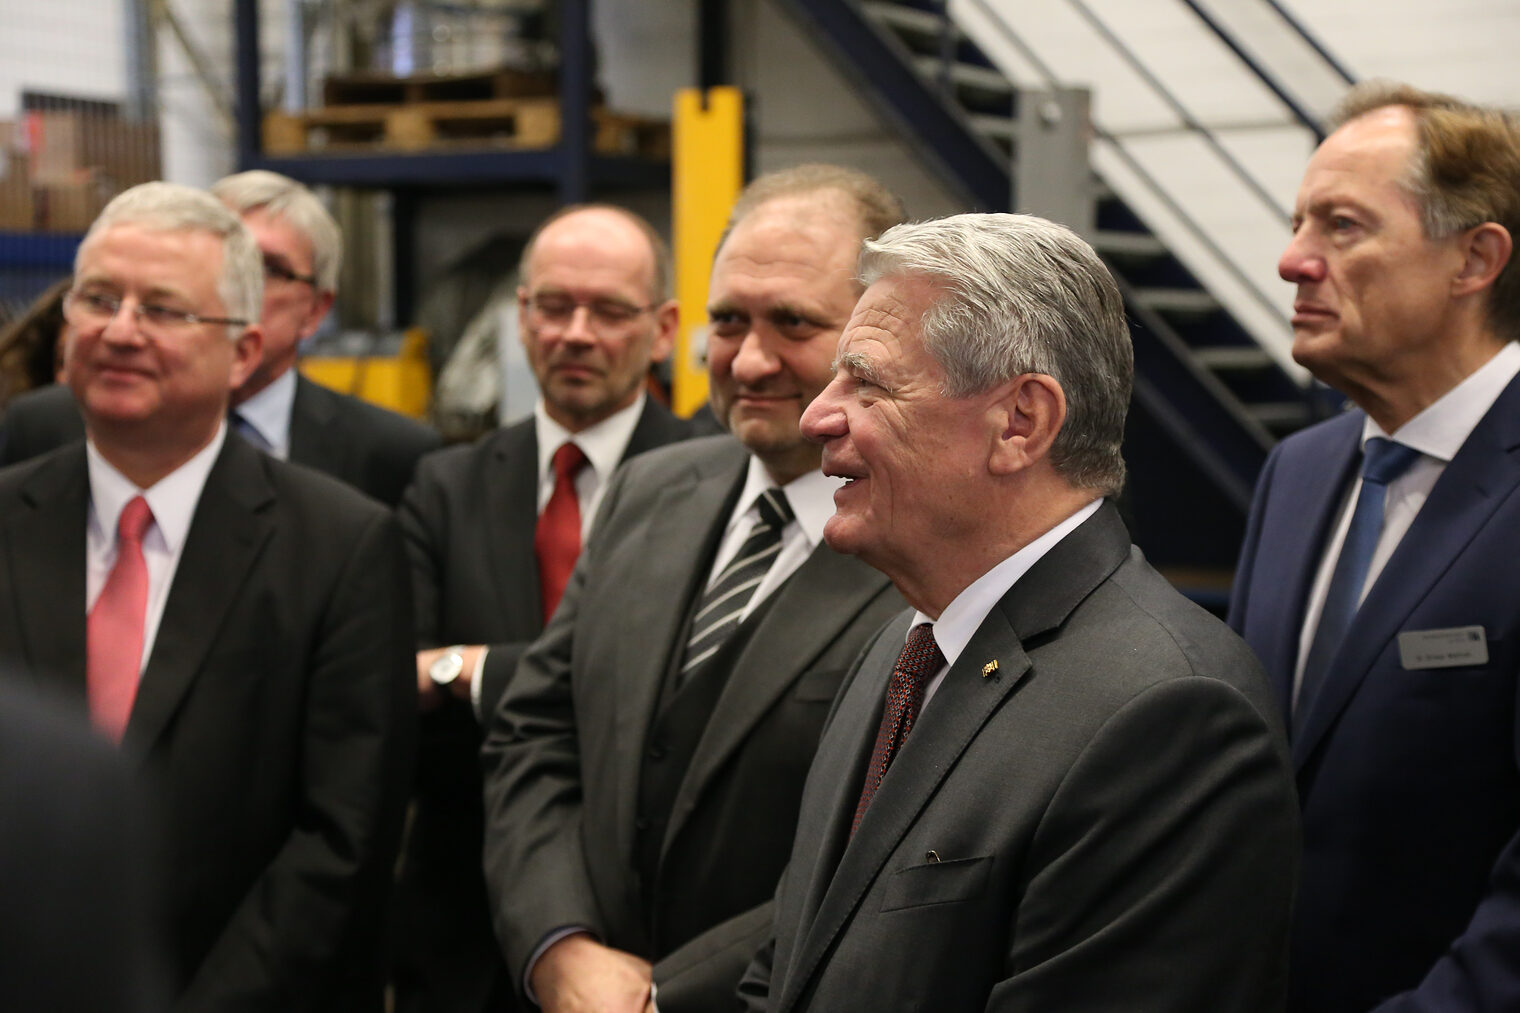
(1410, 891)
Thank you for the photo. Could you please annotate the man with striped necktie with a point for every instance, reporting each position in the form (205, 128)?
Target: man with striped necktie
(643, 769)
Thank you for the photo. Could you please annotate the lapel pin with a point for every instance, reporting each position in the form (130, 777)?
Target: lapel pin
(931, 857)
(989, 668)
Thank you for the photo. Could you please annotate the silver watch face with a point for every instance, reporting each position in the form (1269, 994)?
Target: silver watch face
(446, 668)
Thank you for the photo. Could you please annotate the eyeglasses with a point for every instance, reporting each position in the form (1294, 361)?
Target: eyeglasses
(97, 308)
(605, 313)
(278, 271)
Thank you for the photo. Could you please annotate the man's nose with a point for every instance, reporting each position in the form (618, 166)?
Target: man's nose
(824, 420)
(1300, 262)
(754, 359)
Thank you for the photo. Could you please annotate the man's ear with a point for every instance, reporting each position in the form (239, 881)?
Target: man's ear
(247, 353)
(1028, 414)
(1486, 249)
(667, 318)
(319, 309)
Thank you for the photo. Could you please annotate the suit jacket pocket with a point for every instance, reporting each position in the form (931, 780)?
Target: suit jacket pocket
(937, 883)
(818, 685)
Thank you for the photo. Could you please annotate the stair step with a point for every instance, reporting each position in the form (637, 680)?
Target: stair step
(1234, 358)
(1121, 243)
(966, 75)
(909, 20)
(1193, 301)
(998, 128)
(1280, 415)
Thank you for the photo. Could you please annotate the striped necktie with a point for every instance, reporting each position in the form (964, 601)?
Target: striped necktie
(726, 598)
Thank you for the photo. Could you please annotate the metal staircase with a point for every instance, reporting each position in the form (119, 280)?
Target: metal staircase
(1216, 393)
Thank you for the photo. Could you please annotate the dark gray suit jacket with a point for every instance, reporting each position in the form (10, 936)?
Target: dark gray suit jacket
(565, 749)
(274, 725)
(1104, 821)
(371, 449)
(469, 520)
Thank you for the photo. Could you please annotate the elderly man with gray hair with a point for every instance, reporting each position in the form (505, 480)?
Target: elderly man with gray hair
(1053, 783)
(240, 627)
(274, 408)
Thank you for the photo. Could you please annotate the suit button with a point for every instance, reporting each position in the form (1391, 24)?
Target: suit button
(657, 752)
(641, 824)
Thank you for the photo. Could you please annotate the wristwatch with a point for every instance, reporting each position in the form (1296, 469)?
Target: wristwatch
(446, 667)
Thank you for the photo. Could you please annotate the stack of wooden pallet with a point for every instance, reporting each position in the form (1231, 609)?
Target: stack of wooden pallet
(500, 109)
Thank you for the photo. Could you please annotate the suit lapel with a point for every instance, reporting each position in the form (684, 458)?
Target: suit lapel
(820, 599)
(230, 527)
(1038, 603)
(47, 552)
(313, 439)
(1485, 471)
(683, 527)
(1315, 493)
(511, 500)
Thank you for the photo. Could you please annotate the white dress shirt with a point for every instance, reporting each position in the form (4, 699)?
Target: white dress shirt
(268, 412)
(965, 614)
(172, 501)
(603, 444)
(1437, 433)
(812, 501)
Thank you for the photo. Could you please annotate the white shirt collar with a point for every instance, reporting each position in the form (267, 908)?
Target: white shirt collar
(811, 497)
(172, 498)
(268, 412)
(1440, 430)
(603, 443)
(963, 616)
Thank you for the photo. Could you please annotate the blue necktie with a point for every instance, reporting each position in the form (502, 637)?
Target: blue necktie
(1382, 462)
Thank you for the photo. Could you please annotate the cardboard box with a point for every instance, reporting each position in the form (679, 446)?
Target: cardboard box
(69, 207)
(68, 148)
(16, 208)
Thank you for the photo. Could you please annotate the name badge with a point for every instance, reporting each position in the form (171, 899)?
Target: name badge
(1450, 648)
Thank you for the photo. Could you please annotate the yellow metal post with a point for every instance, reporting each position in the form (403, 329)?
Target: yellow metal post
(707, 168)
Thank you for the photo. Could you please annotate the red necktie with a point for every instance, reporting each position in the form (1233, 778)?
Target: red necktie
(557, 541)
(920, 658)
(114, 631)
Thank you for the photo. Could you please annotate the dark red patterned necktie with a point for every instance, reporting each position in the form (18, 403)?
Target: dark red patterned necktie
(557, 540)
(920, 659)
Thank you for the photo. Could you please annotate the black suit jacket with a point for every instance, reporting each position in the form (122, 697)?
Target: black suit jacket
(274, 724)
(1094, 812)
(371, 449)
(469, 520)
(567, 746)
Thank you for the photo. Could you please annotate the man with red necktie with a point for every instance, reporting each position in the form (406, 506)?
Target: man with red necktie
(494, 530)
(240, 626)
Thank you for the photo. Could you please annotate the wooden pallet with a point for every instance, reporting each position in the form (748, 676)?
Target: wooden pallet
(428, 126)
(387, 89)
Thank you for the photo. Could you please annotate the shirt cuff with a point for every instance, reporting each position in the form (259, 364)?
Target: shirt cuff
(542, 948)
(475, 674)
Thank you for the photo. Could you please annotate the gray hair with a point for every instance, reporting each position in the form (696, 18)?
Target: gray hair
(877, 208)
(172, 207)
(283, 198)
(1023, 295)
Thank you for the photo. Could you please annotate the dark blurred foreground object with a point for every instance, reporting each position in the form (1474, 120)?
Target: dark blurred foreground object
(78, 927)
(29, 352)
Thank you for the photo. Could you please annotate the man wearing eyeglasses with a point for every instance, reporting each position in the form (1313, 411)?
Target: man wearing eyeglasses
(275, 409)
(647, 759)
(494, 530)
(239, 626)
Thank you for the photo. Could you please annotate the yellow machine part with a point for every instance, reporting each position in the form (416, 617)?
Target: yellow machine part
(707, 170)
(402, 383)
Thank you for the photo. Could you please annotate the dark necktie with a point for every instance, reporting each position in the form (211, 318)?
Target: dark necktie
(557, 539)
(114, 629)
(919, 660)
(724, 601)
(1382, 462)
(246, 430)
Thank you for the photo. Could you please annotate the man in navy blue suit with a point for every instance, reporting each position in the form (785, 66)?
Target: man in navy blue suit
(1380, 578)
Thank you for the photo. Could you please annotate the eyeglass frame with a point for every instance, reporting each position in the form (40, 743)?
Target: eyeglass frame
(169, 317)
(277, 270)
(590, 306)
